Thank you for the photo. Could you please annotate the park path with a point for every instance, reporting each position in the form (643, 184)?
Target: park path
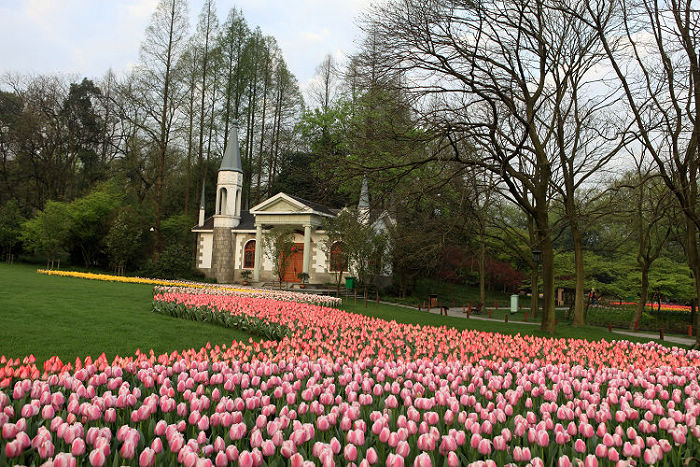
(458, 313)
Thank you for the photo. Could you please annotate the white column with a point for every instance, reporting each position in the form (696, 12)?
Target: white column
(307, 248)
(258, 252)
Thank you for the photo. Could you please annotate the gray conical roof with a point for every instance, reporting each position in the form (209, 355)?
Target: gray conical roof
(232, 153)
(364, 195)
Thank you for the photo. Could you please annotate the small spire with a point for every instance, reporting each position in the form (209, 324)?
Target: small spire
(201, 201)
(364, 196)
(232, 153)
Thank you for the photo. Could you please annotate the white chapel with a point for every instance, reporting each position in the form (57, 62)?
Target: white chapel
(231, 241)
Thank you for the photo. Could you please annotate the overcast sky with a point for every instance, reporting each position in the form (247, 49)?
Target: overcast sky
(86, 37)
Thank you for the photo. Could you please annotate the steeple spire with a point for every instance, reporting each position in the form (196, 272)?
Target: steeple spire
(232, 153)
(202, 207)
(363, 204)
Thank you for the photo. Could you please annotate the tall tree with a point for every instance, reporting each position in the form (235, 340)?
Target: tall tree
(231, 41)
(160, 89)
(204, 38)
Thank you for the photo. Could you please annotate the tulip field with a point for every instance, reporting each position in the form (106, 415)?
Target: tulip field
(337, 388)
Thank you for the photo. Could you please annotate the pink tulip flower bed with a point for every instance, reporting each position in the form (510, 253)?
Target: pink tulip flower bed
(280, 295)
(344, 389)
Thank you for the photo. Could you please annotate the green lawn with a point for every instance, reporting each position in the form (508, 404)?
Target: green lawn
(69, 317)
(413, 316)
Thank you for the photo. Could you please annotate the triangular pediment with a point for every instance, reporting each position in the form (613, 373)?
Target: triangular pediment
(280, 203)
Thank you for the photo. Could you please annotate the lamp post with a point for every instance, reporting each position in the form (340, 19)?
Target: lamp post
(537, 257)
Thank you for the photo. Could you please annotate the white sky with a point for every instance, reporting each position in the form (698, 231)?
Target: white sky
(86, 37)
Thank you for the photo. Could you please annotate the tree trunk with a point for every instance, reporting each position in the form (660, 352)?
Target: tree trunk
(694, 267)
(535, 291)
(643, 295)
(482, 272)
(548, 312)
(579, 316)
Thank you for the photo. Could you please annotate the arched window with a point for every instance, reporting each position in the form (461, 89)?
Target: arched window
(339, 262)
(249, 255)
(222, 201)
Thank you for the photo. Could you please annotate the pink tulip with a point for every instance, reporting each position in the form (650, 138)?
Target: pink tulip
(371, 456)
(394, 460)
(601, 451)
(350, 452)
(9, 430)
(128, 450)
(564, 461)
(64, 459)
(97, 458)
(221, 460)
(590, 461)
(157, 445)
(245, 459)
(649, 457)
(159, 430)
(232, 453)
(422, 460)
(484, 447)
(110, 415)
(499, 443)
(147, 458)
(13, 449)
(46, 449)
(296, 460)
(77, 447)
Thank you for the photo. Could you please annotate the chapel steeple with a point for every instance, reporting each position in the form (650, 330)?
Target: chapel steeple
(229, 185)
(202, 207)
(363, 204)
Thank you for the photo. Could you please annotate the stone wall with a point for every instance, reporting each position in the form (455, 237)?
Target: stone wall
(222, 264)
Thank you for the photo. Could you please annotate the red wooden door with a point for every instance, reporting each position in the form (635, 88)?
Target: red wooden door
(295, 264)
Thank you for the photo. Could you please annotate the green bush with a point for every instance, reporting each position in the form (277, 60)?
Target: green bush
(174, 262)
(622, 317)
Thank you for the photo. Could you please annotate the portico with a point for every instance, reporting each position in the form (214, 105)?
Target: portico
(286, 210)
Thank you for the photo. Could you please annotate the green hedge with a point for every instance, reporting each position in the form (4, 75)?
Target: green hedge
(622, 317)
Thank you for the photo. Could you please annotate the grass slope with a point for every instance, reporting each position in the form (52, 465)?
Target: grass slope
(71, 318)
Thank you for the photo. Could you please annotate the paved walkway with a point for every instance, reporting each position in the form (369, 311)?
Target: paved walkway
(458, 313)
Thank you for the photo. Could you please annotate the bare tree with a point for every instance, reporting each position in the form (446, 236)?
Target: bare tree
(653, 48)
(645, 202)
(324, 88)
(495, 74)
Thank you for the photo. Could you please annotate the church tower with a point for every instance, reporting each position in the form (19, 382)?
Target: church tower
(227, 210)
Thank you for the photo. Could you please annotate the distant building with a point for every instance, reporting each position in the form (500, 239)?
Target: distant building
(231, 240)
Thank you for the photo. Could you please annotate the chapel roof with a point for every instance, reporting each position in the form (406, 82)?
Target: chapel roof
(316, 206)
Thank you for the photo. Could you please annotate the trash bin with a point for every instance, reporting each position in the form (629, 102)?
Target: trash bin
(513, 303)
(350, 282)
(432, 300)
